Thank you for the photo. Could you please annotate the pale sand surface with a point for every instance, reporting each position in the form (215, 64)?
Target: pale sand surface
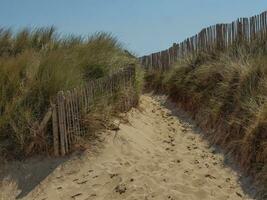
(157, 155)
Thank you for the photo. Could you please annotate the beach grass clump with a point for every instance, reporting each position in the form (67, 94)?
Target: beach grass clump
(225, 92)
(37, 63)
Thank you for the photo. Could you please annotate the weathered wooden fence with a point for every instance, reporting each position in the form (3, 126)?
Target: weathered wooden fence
(219, 36)
(69, 107)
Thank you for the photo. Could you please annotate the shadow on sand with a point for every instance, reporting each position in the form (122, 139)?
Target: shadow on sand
(30, 173)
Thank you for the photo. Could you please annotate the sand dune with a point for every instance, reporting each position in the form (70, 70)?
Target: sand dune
(157, 155)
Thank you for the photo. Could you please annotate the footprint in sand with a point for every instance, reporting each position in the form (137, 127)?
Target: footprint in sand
(76, 195)
(199, 182)
(171, 198)
(82, 182)
(113, 175)
(210, 176)
(196, 162)
(149, 172)
(120, 188)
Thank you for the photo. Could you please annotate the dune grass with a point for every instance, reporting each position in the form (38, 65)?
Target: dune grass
(226, 94)
(37, 63)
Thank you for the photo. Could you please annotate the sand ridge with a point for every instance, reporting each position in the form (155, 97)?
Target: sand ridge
(157, 155)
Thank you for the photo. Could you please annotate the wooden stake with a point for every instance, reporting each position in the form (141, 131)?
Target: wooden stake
(61, 123)
(55, 130)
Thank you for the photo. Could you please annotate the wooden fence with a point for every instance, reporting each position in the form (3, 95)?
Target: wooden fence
(69, 107)
(219, 36)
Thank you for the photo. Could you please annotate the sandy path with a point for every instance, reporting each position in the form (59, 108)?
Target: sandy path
(154, 156)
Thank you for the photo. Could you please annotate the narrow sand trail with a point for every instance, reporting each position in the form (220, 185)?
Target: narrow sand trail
(157, 155)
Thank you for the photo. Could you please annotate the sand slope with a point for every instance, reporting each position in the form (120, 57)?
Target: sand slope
(155, 156)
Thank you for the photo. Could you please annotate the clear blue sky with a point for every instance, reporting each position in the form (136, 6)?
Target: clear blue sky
(143, 26)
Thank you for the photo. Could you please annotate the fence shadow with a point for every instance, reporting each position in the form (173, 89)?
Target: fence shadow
(67, 115)
(26, 175)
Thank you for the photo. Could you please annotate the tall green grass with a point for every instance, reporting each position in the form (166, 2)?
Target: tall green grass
(37, 63)
(226, 93)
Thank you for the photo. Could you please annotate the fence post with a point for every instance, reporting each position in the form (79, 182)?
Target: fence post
(218, 36)
(55, 130)
(61, 119)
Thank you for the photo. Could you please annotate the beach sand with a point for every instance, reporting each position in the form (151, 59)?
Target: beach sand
(158, 154)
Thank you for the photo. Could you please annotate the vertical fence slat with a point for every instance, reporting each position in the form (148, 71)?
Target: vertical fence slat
(219, 36)
(55, 130)
(71, 117)
(64, 119)
(61, 123)
(69, 107)
(68, 119)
